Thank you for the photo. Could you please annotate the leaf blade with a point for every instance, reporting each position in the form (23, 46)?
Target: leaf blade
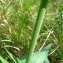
(3, 60)
(39, 57)
(14, 58)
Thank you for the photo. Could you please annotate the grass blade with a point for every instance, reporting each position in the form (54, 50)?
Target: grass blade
(15, 59)
(3, 60)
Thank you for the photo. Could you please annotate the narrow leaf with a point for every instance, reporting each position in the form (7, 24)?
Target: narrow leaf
(14, 58)
(3, 60)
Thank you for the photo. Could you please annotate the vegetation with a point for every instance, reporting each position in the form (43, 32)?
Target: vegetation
(17, 20)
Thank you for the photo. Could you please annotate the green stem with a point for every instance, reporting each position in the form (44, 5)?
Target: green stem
(38, 24)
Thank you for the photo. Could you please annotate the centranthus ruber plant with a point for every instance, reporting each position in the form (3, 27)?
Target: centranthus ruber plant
(33, 57)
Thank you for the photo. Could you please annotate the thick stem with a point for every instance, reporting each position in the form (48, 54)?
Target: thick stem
(36, 31)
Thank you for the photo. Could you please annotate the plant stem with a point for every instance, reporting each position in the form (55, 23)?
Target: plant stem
(36, 31)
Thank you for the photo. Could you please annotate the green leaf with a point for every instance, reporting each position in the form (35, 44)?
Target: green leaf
(14, 58)
(39, 57)
(3, 60)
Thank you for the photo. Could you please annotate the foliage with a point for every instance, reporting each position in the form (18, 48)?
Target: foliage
(17, 20)
(37, 56)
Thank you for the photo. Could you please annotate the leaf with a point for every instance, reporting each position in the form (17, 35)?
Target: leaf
(14, 58)
(39, 57)
(3, 60)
